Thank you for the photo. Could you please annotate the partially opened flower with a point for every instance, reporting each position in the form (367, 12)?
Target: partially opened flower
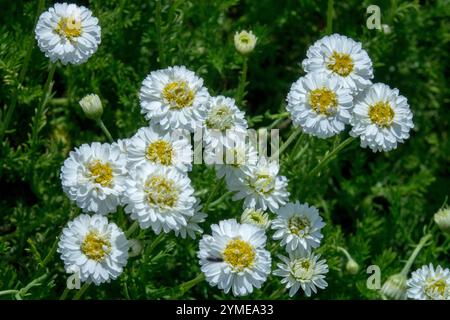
(245, 41)
(173, 98)
(261, 187)
(159, 197)
(234, 257)
(298, 227)
(93, 248)
(320, 105)
(94, 177)
(429, 283)
(382, 118)
(341, 57)
(302, 270)
(68, 33)
(158, 147)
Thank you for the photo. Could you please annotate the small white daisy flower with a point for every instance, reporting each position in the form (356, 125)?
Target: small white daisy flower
(428, 283)
(68, 33)
(94, 177)
(159, 197)
(342, 57)
(298, 227)
(173, 98)
(302, 271)
(319, 105)
(244, 41)
(158, 147)
(95, 249)
(256, 217)
(222, 119)
(192, 227)
(234, 257)
(381, 119)
(261, 186)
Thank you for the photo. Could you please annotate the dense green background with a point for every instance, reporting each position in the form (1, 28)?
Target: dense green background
(375, 205)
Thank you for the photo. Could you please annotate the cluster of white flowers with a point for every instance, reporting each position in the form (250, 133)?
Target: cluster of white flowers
(147, 174)
(337, 90)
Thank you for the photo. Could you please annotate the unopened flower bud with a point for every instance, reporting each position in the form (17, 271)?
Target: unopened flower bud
(92, 106)
(395, 287)
(442, 219)
(135, 247)
(352, 267)
(245, 41)
(386, 29)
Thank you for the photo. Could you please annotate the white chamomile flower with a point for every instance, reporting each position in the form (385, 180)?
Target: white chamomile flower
(68, 33)
(222, 119)
(303, 271)
(93, 248)
(256, 217)
(192, 227)
(234, 257)
(298, 227)
(382, 118)
(342, 57)
(159, 147)
(159, 197)
(173, 98)
(244, 41)
(428, 283)
(261, 187)
(320, 105)
(94, 177)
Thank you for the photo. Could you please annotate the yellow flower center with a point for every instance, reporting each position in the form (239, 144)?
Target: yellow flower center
(323, 101)
(161, 192)
(340, 63)
(160, 151)
(239, 254)
(244, 38)
(301, 269)
(95, 246)
(220, 118)
(69, 28)
(438, 286)
(256, 217)
(381, 114)
(297, 224)
(263, 184)
(101, 173)
(178, 94)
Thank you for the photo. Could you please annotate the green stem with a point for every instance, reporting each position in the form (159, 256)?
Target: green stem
(49, 256)
(154, 243)
(211, 195)
(392, 11)
(185, 286)
(131, 229)
(41, 107)
(330, 155)
(23, 72)
(105, 130)
(330, 12)
(5, 292)
(413, 256)
(82, 290)
(158, 22)
(64, 294)
(286, 144)
(242, 82)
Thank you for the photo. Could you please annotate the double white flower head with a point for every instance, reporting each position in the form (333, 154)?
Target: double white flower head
(68, 33)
